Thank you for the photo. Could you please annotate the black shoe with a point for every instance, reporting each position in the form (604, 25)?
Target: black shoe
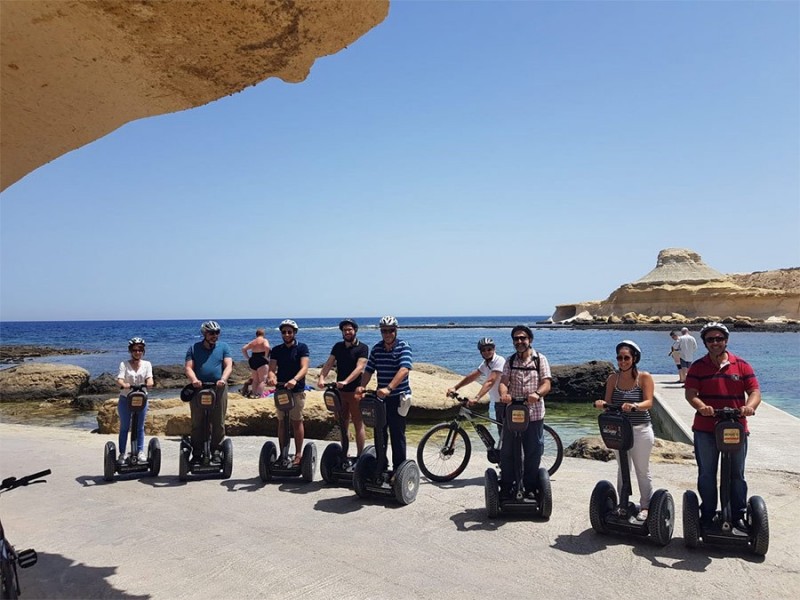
(530, 496)
(740, 528)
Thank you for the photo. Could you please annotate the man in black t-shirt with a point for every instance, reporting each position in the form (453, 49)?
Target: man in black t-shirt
(350, 357)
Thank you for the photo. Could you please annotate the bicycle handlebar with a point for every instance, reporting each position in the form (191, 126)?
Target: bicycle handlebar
(12, 482)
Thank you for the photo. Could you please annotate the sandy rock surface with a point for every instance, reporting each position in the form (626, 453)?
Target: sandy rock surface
(41, 381)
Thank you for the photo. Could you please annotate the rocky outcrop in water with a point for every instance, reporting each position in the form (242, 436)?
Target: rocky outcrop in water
(682, 288)
(592, 447)
(41, 381)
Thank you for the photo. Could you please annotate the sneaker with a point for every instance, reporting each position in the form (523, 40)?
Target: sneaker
(142, 458)
(217, 456)
(740, 528)
(122, 458)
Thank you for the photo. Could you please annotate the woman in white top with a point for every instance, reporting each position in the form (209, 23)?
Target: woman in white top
(134, 371)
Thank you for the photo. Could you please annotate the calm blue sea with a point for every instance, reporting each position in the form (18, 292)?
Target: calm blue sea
(775, 356)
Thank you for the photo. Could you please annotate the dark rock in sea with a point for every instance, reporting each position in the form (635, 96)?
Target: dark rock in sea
(105, 383)
(18, 353)
(665, 451)
(173, 376)
(579, 383)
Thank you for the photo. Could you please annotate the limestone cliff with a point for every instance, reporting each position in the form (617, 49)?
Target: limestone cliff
(75, 70)
(682, 287)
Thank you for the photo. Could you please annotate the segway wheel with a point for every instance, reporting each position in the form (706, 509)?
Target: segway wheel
(309, 462)
(269, 454)
(331, 457)
(154, 456)
(370, 449)
(227, 458)
(183, 464)
(758, 520)
(602, 502)
(109, 461)
(365, 467)
(406, 482)
(691, 519)
(544, 493)
(661, 517)
(491, 489)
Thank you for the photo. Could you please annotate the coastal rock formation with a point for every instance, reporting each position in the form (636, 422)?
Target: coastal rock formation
(75, 70)
(41, 381)
(592, 447)
(579, 383)
(682, 288)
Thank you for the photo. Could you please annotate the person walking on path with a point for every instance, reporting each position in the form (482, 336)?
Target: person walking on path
(289, 361)
(688, 346)
(209, 361)
(391, 358)
(631, 391)
(258, 360)
(350, 358)
(134, 371)
(675, 352)
(491, 368)
(720, 379)
(526, 374)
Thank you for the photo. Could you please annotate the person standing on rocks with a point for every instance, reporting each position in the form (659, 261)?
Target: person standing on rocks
(491, 367)
(258, 360)
(631, 391)
(688, 346)
(134, 371)
(209, 361)
(526, 374)
(391, 359)
(289, 361)
(675, 352)
(350, 358)
(718, 380)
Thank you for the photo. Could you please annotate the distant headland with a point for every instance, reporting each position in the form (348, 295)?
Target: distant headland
(682, 289)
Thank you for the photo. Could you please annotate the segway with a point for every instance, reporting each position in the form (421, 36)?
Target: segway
(609, 515)
(730, 436)
(137, 399)
(336, 465)
(269, 463)
(208, 463)
(371, 474)
(519, 500)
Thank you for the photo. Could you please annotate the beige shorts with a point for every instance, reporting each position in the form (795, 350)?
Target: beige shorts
(296, 414)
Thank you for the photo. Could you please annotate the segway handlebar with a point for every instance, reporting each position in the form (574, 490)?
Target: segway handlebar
(728, 412)
(12, 482)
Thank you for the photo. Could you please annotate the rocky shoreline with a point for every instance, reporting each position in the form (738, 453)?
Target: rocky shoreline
(18, 353)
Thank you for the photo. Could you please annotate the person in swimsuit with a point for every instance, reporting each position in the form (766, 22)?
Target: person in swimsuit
(258, 360)
(632, 391)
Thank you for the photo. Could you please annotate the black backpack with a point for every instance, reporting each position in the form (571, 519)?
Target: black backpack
(535, 367)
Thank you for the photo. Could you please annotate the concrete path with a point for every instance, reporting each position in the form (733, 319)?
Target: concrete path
(159, 538)
(774, 434)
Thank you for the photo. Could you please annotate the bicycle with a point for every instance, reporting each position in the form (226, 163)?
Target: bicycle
(445, 449)
(9, 557)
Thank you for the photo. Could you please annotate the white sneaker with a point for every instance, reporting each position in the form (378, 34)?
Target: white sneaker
(142, 458)
(122, 458)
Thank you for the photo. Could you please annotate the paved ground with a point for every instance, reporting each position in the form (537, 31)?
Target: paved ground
(159, 538)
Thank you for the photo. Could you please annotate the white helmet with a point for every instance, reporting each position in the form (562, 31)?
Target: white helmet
(714, 325)
(210, 327)
(288, 323)
(635, 350)
(387, 321)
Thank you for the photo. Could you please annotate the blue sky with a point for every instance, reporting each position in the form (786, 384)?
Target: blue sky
(462, 158)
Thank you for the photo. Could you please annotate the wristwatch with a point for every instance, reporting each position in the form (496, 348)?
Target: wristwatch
(388, 387)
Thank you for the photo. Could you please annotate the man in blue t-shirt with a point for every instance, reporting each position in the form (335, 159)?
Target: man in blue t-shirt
(391, 358)
(288, 363)
(206, 362)
(350, 357)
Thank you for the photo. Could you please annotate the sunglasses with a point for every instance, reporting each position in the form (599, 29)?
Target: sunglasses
(487, 349)
(216, 333)
(520, 338)
(388, 330)
(137, 350)
(622, 358)
(287, 332)
(715, 339)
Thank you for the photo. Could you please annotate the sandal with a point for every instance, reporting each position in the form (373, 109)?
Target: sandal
(642, 516)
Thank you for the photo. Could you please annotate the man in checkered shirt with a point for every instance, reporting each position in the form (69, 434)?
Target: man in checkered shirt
(526, 374)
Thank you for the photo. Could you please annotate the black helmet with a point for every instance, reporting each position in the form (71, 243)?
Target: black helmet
(484, 342)
(635, 350)
(523, 328)
(350, 322)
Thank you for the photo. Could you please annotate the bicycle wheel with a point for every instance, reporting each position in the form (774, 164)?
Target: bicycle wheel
(443, 452)
(553, 452)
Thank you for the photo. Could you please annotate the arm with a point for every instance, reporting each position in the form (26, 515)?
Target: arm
(361, 363)
(245, 348)
(227, 364)
(692, 396)
(401, 374)
(487, 385)
(148, 381)
(752, 402)
(505, 397)
(326, 368)
(465, 381)
(272, 376)
(189, 370)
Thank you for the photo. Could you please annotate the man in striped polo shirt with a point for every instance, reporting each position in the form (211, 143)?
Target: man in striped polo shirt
(718, 380)
(391, 358)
